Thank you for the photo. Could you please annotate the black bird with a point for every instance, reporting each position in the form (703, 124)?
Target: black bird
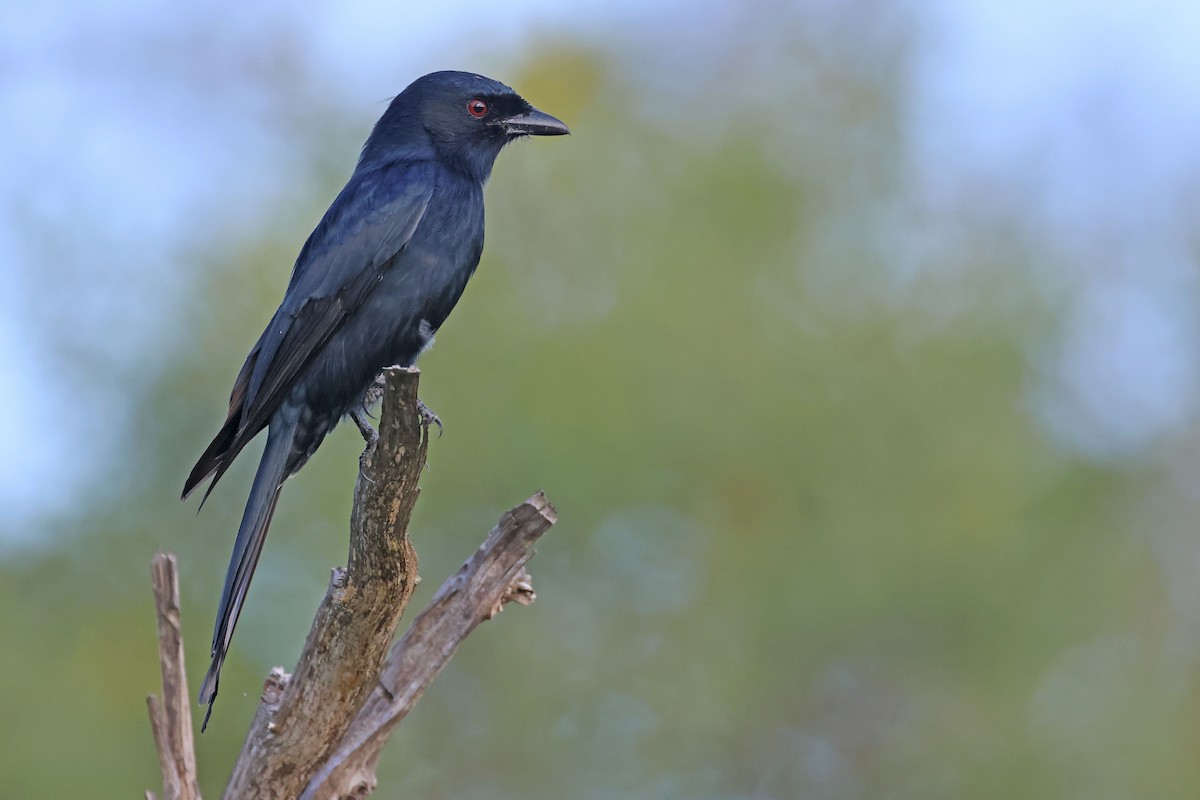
(371, 286)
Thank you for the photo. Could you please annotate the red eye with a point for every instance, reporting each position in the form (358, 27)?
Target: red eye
(477, 108)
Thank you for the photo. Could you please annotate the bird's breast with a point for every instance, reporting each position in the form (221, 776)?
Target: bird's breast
(416, 292)
(430, 275)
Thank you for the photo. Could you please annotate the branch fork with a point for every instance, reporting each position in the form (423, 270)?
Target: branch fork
(318, 732)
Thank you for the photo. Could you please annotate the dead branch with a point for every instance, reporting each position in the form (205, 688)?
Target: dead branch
(492, 577)
(290, 739)
(171, 718)
(320, 730)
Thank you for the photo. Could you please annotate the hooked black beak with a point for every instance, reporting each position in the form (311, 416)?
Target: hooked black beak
(534, 123)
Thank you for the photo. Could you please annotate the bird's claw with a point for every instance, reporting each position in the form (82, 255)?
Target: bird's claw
(428, 417)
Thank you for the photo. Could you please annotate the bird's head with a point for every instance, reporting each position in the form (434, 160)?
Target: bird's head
(465, 119)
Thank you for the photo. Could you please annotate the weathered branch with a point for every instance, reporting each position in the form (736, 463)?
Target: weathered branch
(171, 718)
(493, 576)
(320, 731)
(296, 728)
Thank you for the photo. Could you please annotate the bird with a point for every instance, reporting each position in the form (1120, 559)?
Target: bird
(371, 286)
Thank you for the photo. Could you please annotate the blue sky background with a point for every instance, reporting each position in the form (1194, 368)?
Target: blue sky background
(120, 153)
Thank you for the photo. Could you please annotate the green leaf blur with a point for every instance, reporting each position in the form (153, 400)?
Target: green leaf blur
(812, 543)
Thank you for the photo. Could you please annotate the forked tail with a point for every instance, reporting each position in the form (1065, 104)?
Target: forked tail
(264, 493)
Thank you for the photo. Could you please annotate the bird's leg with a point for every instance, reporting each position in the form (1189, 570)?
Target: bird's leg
(428, 417)
(360, 414)
(369, 434)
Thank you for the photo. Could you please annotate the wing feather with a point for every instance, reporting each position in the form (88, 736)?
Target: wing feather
(367, 227)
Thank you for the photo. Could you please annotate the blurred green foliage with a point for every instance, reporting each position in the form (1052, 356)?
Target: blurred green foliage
(812, 542)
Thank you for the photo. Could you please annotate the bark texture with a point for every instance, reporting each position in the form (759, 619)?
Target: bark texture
(292, 736)
(318, 732)
(171, 717)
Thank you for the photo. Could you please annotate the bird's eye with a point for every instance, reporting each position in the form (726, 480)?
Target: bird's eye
(477, 108)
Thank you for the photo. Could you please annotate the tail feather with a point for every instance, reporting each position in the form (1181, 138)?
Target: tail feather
(215, 458)
(218, 457)
(264, 494)
(225, 446)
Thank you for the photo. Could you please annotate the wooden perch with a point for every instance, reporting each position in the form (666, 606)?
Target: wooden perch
(318, 732)
(171, 718)
(291, 737)
(492, 577)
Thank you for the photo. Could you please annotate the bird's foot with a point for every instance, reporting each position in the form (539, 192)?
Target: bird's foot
(373, 395)
(428, 417)
(369, 434)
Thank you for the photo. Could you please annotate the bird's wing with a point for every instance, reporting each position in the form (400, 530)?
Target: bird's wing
(367, 227)
(364, 230)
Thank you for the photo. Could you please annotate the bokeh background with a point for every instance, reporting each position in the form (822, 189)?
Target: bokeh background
(857, 343)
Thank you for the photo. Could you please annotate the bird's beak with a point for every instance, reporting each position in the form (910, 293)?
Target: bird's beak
(535, 123)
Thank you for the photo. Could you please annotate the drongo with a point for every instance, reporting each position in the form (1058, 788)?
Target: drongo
(371, 286)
